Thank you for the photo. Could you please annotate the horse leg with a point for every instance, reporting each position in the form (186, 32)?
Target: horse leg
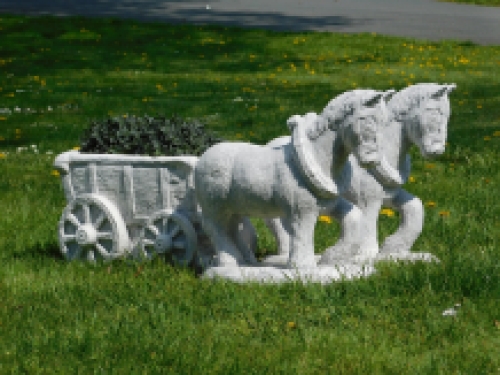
(276, 227)
(301, 225)
(369, 247)
(281, 233)
(244, 236)
(217, 227)
(347, 248)
(411, 223)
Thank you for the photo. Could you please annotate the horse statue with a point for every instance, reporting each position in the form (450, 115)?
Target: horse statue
(236, 180)
(419, 116)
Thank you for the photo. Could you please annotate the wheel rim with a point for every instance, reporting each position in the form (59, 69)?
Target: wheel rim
(91, 228)
(169, 233)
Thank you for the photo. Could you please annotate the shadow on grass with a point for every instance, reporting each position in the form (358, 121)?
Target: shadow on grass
(49, 250)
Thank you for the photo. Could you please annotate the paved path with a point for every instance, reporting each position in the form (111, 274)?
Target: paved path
(425, 19)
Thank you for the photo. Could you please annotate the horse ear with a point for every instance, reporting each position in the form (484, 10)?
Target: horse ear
(293, 121)
(451, 87)
(371, 102)
(445, 89)
(389, 94)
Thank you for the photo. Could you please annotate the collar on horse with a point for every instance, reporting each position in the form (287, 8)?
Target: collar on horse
(321, 184)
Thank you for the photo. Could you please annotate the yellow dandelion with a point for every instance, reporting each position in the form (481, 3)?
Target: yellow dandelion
(2, 139)
(55, 173)
(2, 155)
(496, 133)
(325, 219)
(429, 165)
(387, 212)
(159, 87)
(430, 204)
(479, 106)
(444, 213)
(3, 118)
(76, 148)
(238, 135)
(291, 325)
(411, 179)
(18, 131)
(487, 138)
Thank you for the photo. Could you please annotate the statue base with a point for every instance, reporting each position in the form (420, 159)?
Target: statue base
(277, 275)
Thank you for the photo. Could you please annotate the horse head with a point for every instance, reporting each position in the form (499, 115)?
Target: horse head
(424, 109)
(358, 115)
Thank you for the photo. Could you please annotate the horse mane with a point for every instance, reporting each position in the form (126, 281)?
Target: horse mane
(402, 104)
(337, 110)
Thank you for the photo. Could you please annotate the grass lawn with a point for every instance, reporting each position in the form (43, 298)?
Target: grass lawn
(58, 74)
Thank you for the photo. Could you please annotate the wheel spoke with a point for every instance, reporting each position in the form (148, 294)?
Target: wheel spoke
(68, 238)
(86, 212)
(153, 230)
(102, 250)
(99, 221)
(164, 223)
(175, 231)
(105, 235)
(147, 242)
(72, 218)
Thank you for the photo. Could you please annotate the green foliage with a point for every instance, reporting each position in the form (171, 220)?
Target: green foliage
(147, 135)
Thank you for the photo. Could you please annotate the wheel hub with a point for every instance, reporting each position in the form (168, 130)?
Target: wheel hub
(163, 243)
(86, 235)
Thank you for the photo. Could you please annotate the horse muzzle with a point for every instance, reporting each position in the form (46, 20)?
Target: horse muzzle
(368, 158)
(433, 150)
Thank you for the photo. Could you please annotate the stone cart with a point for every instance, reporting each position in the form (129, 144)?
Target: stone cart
(130, 205)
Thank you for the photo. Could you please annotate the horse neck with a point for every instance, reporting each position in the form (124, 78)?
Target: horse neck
(396, 142)
(330, 152)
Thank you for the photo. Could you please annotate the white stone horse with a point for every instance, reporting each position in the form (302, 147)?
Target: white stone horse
(237, 180)
(418, 116)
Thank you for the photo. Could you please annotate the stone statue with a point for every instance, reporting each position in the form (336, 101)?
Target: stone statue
(238, 180)
(418, 116)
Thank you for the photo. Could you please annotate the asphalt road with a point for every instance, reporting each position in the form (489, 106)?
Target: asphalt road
(422, 19)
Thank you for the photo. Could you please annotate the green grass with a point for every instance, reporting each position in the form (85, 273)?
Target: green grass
(122, 318)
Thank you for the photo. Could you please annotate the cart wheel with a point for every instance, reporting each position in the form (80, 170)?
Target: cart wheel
(91, 228)
(170, 233)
